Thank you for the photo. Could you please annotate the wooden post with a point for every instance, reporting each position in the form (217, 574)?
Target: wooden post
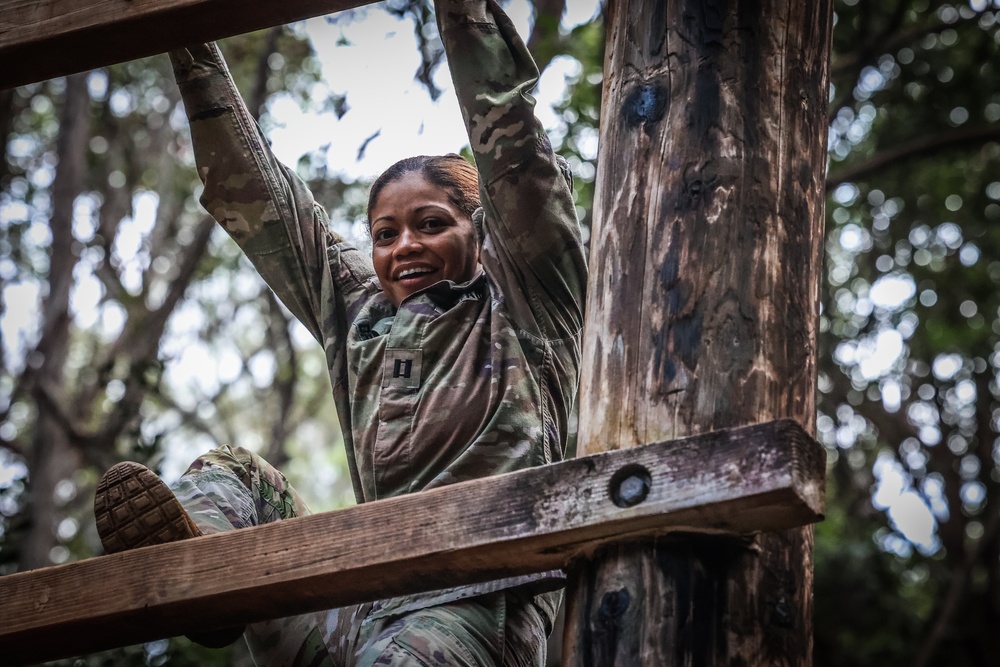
(702, 309)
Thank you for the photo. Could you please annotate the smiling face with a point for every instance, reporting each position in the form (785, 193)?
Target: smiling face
(420, 237)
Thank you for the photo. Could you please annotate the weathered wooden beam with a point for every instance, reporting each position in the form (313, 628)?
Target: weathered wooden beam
(763, 477)
(41, 39)
(703, 308)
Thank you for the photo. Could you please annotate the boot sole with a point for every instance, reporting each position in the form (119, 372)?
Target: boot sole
(134, 508)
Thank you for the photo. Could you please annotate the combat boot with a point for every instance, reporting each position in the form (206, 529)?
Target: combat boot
(135, 508)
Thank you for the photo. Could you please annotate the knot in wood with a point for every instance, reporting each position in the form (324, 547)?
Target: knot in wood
(646, 103)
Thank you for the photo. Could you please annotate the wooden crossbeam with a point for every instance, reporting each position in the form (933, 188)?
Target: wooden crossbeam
(763, 477)
(41, 39)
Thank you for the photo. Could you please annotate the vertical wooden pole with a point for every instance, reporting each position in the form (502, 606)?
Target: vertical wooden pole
(703, 308)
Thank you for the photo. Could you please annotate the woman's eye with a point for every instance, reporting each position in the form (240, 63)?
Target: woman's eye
(433, 223)
(383, 235)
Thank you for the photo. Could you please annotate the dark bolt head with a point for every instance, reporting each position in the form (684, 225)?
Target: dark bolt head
(613, 606)
(781, 614)
(630, 485)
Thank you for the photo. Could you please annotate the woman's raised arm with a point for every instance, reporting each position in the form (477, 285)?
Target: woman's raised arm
(531, 242)
(263, 205)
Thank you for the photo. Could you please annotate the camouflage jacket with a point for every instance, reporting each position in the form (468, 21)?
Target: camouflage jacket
(462, 381)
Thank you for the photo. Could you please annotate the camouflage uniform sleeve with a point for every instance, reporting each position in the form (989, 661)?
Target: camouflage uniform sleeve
(263, 205)
(531, 237)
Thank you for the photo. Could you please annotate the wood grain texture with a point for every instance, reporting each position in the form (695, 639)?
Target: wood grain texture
(41, 39)
(703, 306)
(705, 249)
(762, 477)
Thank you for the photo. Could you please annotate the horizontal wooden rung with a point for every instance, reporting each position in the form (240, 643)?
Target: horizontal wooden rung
(41, 39)
(763, 477)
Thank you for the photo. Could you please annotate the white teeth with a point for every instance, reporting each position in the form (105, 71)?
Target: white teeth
(410, 272)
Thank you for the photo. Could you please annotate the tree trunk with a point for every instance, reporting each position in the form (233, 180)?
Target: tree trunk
(702, 309)
(51, 458)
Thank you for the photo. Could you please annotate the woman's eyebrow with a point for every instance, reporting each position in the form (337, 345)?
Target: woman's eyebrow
(438, 207)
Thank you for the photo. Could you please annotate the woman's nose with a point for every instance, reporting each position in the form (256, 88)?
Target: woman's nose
(408, 242)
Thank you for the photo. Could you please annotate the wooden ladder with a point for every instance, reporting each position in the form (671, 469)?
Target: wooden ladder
(702, 318)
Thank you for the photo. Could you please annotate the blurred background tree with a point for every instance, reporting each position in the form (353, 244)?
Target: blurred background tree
(148, 333)
(151, 339)
(908, 564)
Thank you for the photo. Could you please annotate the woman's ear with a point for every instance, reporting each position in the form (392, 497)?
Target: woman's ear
(477, 223)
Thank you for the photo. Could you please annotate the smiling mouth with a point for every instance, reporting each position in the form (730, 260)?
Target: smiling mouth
(413, 274)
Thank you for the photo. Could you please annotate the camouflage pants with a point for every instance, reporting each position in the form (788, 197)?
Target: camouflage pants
(233, 488)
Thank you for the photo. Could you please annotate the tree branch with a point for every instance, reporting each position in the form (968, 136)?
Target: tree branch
(918, 148)
(13, 447)
(545, 41)
(849, 66)
(258, 94)
(284, 385)
(8, 112)
(138, 345)
(888, 41)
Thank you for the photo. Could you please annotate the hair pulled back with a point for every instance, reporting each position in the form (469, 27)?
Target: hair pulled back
(452, 173)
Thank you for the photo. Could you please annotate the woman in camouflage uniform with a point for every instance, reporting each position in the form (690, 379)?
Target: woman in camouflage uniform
(453, 350)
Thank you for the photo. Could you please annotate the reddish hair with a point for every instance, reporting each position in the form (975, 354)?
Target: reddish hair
(452, 173)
